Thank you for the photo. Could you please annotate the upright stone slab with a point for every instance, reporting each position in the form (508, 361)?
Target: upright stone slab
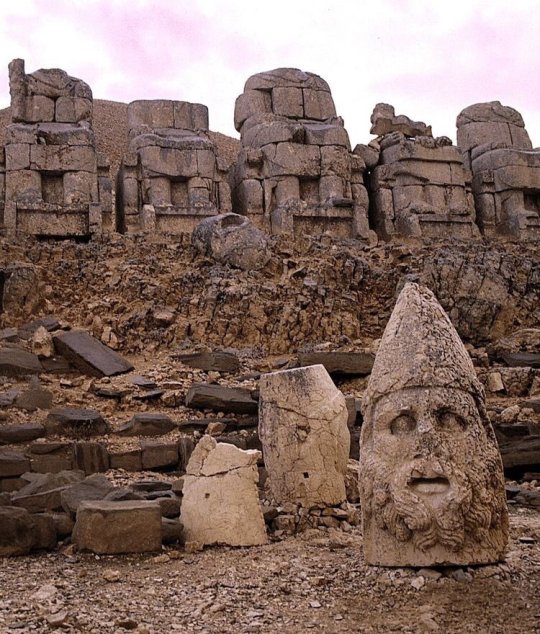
(220, 502)
(89, 355)
(303, 430)
(431, 478)
(112, 528)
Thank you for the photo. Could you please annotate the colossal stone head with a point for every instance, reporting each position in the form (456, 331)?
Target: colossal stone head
(431, 479)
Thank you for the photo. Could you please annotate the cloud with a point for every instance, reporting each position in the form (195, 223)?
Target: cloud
(430, 59)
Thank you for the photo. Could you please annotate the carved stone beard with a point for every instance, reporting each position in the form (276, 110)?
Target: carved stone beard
(465, 510)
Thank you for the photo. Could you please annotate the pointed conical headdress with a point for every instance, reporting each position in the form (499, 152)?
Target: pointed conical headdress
(420, 348)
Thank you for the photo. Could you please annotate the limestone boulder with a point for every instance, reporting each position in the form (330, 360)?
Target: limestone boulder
(303, 430)
(220, 498)
(232, 239)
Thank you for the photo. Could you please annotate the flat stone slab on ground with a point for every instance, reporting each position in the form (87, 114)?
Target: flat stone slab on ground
(106, 527)
(25, 432)
(148, 424)
(339, 362)
(522, 359)
(89, 355)
(222, 399)
(76, 422)
(17, 362)
(210, 361)
(13, 464)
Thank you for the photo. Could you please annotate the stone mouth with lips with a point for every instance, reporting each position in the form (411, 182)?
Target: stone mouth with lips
(429, 482)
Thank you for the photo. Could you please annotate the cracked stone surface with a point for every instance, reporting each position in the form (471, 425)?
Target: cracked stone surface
(220, 497)
(431, 478)
(303, 430)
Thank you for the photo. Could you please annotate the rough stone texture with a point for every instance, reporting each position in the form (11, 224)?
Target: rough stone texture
(76, 422)
(148, 424)
(304, 434)
(17, 362)
(17, 536)
(94, 487)
(295, 173)
(431, 480)
(12, 434)
(222, 399)
(170, 177)
(385, 120)
(55, 183)
(505, 168)
(111, 528)
(419, 187)
(89, 355)
(232, 239)
(13, 463)
(220, 502)
(215, 361)
(353, 363)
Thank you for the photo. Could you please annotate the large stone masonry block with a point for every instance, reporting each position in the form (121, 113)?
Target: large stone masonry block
(169, 162)
(23, 185)
(336, 161)
(304, 434)
(17, 156)
(288, 102)
(326, 134)
(39, 108)
(73, 109)
(250, 103)
(111, 528)
(155, 113)
(220, 498)
(190, 116)
(292, 159)
(318, 104)
(61, 158)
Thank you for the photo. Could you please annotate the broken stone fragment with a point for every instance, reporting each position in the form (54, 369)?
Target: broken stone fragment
(108, 527)
(431, 478)
(17, 536)
(94, 487)
(232, 239)
(220, 497)
(384, 120)
(217, 361)
(42, 343)
(76, 422)
(303, 430)
(221, 399)
(147, 424)
(18, 362)
(89, 355)
(337, 362)
(12, 434)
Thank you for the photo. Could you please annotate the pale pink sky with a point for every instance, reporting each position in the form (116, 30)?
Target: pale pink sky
(429, 58)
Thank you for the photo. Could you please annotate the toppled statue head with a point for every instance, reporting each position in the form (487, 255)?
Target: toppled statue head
(431, 479)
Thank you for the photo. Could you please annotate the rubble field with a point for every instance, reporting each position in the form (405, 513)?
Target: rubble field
(195, 336)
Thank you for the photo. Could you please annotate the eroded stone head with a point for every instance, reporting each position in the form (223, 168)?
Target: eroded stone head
(431, 477)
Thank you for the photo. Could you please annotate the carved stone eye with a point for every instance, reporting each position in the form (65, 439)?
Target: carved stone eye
(450, 421)
(402, 424)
